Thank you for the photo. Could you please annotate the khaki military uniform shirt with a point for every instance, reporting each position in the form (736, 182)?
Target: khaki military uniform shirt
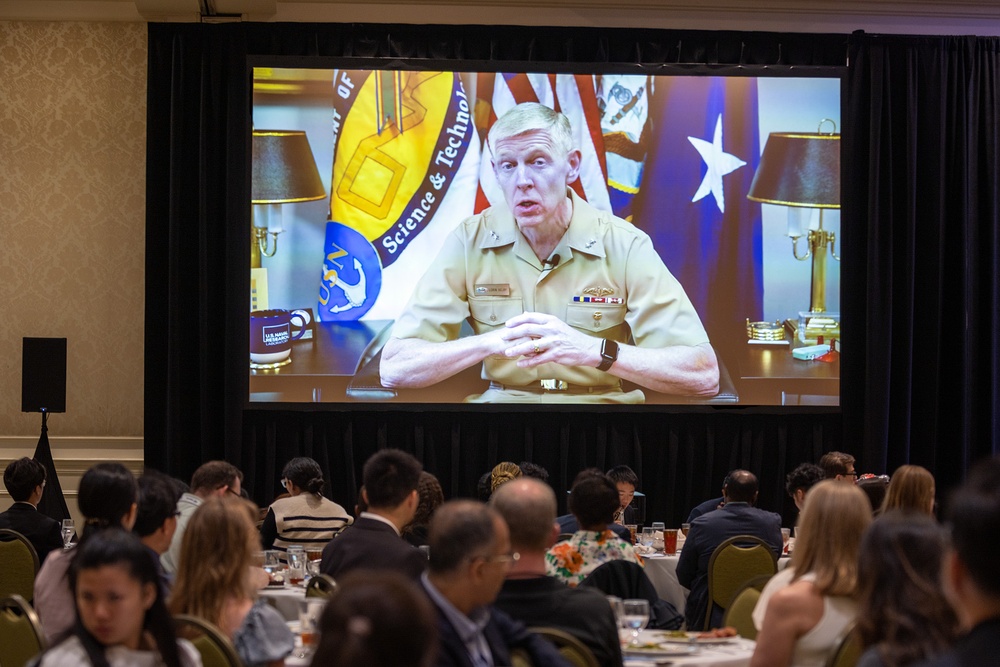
(486, 273)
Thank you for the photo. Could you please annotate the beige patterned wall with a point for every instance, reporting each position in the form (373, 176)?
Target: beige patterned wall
(72, 208)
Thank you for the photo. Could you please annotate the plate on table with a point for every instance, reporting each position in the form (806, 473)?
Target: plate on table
(698, 638)
(659, 650)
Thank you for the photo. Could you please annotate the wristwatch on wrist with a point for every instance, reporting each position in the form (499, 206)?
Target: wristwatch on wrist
(609, 354)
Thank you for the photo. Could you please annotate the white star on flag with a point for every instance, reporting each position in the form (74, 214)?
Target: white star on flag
(719, 164)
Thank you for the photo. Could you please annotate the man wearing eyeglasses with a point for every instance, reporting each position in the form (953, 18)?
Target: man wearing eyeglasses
(215, 478)
(156, 519)
(470, 555)
(839, 466)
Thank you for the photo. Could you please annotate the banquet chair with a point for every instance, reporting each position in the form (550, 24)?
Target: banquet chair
(20, 564)
(215, 648)
(520, 658)
(733, 563)
(320, 586)
(739, 611)
(569, 646)
(21, 633)
(848, 650)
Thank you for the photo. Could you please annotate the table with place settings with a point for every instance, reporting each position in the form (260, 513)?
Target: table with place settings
(661, 647)
(285, 599)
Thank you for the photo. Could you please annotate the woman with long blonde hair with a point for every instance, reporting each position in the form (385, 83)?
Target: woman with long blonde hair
(911, 488)
(804, 609)
(215, 581)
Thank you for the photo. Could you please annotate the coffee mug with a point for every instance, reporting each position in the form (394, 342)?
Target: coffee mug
(271, 336)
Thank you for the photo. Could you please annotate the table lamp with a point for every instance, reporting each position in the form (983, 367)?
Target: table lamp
(284, 172)
(801, 170)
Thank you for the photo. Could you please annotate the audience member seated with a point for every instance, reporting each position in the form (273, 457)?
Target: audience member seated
(709, 505)
(377, 619)
(805, 609)
(568, 523)
(910, 488)
(470, 555)
(215, 478)
(593, 501)
(215, 581)
(431, 497)
(738, 516)
(874, 487)
(626, 481)
(374, 541)
(529, 595)
(503, 472)
(529, 469)
(903, 616)
(107, 497)
(838, 466)
(800, 480)
(156, 520)
(305, 517)
(970, 574)
(25, 481)
(123, 619)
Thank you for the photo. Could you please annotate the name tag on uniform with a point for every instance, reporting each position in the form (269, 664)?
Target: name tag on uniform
(492, 290)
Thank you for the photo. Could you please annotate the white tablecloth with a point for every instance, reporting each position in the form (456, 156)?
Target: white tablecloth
(285, 599)
(735, 653)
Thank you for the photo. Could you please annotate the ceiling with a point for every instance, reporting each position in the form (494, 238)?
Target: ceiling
(980, 17)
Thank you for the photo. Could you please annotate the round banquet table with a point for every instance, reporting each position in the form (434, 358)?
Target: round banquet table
(285, 599)
(735, 652)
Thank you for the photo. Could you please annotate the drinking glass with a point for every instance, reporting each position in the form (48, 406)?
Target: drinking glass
(670, 541)
(685, 527)
(313, 557)
(310, 610)
(68, 531)
(635, 617)
(618, 608)
(659, 526)
(296, 565)
(632, 528)
(647, 537)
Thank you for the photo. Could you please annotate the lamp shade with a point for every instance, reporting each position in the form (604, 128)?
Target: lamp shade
(284, 170)
(799, 169)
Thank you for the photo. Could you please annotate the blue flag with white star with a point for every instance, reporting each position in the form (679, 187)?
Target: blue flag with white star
(705, 150)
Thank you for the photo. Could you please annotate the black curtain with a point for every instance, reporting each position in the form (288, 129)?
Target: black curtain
(197, 245)
(922, 264)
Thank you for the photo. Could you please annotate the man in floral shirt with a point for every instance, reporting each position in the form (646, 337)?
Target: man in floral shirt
(593, 501)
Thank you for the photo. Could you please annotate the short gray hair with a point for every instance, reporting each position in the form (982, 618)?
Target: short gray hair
(530, 116)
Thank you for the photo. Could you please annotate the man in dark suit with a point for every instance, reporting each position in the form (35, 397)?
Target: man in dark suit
(737, 516)
(390, 479)
(25, 480)
(528, 594)
(970, 576)
(470, 554)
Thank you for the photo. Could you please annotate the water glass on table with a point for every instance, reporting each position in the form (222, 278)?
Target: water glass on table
(646, 537)
(313, 557)
(296, 557)
(635, 617)
(658, 528)
(68, 531)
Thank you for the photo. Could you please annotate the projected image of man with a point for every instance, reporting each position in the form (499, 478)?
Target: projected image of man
(565, 300)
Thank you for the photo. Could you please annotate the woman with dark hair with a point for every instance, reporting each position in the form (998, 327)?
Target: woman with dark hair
(123, 620)
(108, 495)
(431, 497)
(377, 619)
(304, 517)
(904, 617)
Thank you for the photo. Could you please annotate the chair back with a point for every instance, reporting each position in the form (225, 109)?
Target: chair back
(21, 633)
(739, 613)
(320, 586)
(20, 565)
(571, 648)
(519, 657)
(733, 563)
(626, 579)
(848, 650)
(215, 648)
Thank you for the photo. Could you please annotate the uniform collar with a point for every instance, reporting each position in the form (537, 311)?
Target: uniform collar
(583, 235)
